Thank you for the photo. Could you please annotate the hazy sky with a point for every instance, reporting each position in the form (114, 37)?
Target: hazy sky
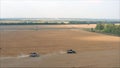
(60, 9)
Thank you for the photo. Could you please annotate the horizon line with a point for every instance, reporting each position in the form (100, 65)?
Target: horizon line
(54, 18)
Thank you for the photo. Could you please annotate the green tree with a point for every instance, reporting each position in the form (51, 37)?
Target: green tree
(99, 26)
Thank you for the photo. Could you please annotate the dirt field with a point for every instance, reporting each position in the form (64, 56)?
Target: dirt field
(18, 42)
(90, 59)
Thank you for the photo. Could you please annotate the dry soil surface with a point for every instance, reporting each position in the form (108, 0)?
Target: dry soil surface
(93, 49)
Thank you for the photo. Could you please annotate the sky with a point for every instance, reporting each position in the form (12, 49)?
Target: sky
(102, 9)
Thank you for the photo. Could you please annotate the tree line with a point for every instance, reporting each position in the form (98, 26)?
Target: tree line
(107, 28)
(31, 23)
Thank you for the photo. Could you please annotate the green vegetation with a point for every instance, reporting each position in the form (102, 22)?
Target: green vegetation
(107, 28)
(84, 22)
(31, 23)
(54, 21)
